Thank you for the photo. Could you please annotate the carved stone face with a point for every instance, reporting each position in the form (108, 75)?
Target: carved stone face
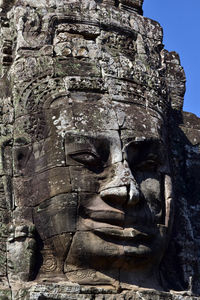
(98, 187)
(90, 155)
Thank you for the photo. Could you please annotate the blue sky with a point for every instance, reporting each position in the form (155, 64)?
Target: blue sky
(180, 20)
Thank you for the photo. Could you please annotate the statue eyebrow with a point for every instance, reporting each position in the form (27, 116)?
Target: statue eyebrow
(96, 137)
(142, 149)
(81, 135)
(88, 140)
(98, 144)
(142, 142)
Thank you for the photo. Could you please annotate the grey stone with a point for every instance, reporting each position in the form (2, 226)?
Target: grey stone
(99, 165)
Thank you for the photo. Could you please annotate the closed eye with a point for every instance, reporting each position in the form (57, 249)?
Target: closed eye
(86, 158)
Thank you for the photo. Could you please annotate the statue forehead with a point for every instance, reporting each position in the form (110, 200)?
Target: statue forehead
(64, 116)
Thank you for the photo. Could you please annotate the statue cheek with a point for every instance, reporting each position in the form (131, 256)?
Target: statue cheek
(83, 180)
(151, 190)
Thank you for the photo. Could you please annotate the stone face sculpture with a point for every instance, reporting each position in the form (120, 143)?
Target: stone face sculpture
(87, 164)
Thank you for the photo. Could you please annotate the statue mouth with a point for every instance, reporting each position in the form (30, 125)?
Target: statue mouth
(111, 225)
(113, 230)
(135, 243)
(119, 218)
(137, 235)
(126, 234)
(109, 217)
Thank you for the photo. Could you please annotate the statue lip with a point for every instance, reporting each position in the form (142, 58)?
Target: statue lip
(126, 234)
(108, 217)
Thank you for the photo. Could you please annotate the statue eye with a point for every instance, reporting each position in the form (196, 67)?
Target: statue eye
(86, 158)
(147, 165)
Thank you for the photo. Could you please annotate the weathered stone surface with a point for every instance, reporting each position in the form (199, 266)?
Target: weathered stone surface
(56, 215)
(72, 291)
(38, 157)
(30, 191)
(21, 257)
(96, 156)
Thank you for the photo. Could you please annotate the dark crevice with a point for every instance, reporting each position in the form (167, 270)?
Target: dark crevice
(87, 90)
(38, 261)
(86, 35)
(7, 276)
(117, 3)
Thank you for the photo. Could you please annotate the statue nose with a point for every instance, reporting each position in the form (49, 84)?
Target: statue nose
(121, 187)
